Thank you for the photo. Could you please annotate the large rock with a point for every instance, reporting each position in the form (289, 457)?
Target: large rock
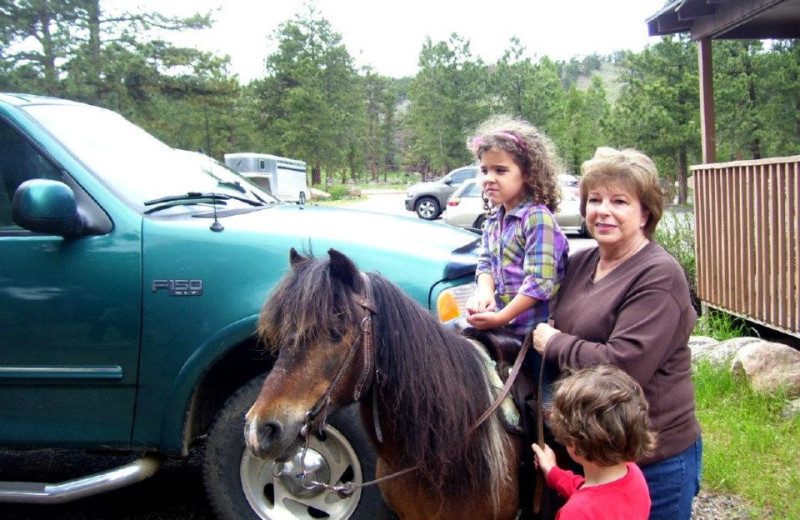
(791, 410)
(700, 345)
(319, 194)
(768, 367)
(722, 352)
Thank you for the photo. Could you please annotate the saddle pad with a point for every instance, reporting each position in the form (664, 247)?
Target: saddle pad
(508, 410)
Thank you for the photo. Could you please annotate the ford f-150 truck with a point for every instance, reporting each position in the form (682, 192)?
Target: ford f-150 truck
(131, 279)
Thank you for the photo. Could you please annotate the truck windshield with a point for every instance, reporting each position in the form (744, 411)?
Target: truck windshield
(136, 165)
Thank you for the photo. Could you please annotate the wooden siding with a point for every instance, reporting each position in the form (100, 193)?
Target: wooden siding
(747, 216)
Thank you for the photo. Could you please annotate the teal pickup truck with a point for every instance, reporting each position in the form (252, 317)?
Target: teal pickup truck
(131, 278)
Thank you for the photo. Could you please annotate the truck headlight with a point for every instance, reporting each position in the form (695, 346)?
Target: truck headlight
(452, 302)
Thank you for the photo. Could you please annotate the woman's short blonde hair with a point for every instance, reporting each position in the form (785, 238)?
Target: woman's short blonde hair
(633, 170)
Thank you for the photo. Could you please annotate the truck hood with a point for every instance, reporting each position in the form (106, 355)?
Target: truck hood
(417, 255)
(409, 241)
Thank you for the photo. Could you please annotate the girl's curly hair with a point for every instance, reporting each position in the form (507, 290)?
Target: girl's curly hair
(532, 151)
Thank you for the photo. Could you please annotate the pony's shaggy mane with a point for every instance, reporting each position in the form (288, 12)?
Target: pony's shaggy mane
(435, 381)
(434, 389)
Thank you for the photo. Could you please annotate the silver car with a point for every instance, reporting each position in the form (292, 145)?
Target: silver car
(465, 209)
(428, 199)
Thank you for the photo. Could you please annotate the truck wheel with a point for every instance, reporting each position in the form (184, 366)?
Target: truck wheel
(242, 487)
(427, 208)
(302, 199)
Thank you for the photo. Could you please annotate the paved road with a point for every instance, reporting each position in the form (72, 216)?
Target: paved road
(176, 491)
(392, 202)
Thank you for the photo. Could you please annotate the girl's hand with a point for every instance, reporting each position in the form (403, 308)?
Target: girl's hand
(480, 303)
(485, 320)
(544, 459)
(541, 335)
(483, 299)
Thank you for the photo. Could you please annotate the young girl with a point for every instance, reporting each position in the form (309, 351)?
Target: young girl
(601, 415)
(524, 253)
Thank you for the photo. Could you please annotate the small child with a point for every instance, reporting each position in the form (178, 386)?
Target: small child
(600, 415)
(524, 253)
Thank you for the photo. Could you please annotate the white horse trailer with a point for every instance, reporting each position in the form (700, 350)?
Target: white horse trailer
(282, 177)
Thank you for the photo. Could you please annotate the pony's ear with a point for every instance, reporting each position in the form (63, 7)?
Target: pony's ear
(296, 258)
(343, 268)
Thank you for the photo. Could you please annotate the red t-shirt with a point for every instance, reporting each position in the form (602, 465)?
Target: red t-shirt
(624, 499)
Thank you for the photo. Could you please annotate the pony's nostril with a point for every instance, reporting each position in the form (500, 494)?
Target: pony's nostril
(268, 432)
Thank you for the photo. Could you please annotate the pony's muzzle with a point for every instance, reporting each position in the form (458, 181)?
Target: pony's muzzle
(264, 439)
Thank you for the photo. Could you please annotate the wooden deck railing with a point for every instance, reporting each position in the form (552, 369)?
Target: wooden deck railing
(747, 216)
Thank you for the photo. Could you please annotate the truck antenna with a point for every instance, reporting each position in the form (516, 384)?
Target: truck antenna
(216, 226)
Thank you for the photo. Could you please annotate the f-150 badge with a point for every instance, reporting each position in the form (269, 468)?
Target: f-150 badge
(178, 287)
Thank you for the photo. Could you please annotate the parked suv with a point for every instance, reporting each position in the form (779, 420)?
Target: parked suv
(428, 199)
(465, 209)
(131, 279)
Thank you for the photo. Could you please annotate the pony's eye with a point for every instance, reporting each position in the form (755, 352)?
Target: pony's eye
(335, 335)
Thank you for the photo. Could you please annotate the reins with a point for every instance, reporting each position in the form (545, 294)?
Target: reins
(512, 376)
(365, 301)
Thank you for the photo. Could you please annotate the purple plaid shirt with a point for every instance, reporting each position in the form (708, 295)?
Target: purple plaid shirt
(525, 252)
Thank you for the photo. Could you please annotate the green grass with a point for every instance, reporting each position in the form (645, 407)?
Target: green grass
(749, 449)
(721, 326)
(675, 233)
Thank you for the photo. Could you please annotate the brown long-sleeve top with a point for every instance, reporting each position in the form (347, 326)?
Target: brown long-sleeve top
(639, 318)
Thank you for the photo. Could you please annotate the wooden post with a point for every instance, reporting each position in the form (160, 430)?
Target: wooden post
(706, 73)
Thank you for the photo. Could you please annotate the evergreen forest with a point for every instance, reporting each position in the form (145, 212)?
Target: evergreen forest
(312, 103)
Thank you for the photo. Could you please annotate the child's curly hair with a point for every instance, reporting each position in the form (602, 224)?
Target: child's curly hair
(532, 151)
(603, 413)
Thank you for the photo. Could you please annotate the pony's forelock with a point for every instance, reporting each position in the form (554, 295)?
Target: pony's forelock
(288, 320)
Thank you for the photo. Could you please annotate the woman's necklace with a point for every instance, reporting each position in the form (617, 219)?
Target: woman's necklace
(605, 267)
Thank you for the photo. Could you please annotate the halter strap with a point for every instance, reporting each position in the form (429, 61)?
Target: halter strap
(320, 408)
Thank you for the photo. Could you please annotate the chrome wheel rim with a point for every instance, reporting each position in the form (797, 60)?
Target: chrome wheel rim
(426, 209)
(333, 461)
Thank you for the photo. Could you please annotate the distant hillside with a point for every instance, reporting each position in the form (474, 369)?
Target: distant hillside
(609, 72)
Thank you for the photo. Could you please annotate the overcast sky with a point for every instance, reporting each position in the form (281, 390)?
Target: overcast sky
(388, 36)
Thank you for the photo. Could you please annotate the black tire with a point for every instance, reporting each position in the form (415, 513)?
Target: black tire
(427, 208)
(302, 199)
(479, 222)
(227, 463)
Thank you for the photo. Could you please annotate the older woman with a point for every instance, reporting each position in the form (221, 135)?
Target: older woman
(626, 303)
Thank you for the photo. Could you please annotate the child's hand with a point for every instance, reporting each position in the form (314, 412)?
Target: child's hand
(486, 320)
(480, 303)
(544, 459)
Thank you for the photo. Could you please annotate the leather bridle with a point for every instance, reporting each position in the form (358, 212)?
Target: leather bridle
(368, 375)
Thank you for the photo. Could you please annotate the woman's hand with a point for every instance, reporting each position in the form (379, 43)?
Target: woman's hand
(541, 335)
